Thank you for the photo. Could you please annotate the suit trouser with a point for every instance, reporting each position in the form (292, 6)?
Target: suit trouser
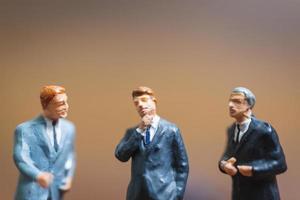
(61, 195)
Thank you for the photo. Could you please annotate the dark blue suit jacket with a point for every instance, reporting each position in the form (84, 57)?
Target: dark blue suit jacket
(259, 148)
(159, 171)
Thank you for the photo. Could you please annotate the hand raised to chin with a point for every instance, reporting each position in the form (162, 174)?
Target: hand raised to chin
(146, 121)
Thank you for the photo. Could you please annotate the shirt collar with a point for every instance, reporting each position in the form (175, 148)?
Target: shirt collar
(49, 121)
(244, 125)
(155, 121)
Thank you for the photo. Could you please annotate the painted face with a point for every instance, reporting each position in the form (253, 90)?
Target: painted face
(237, 105)
(58, 107)
(144, 105)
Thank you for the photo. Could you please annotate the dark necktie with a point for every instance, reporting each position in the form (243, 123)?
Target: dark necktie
(54, 136)
(147, 137)
(238, 133)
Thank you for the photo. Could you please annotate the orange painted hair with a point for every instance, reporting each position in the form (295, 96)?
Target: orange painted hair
(48, 92)
(142, 90)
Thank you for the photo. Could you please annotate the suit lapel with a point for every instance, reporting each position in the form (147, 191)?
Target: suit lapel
(64, 133)
(231, 135)
(39, 127)
(40, 131)
(158, 134)
(246, 135)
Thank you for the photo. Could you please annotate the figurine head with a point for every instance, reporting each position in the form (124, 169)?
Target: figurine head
(54, 101)
(144, 101)
(241, 101)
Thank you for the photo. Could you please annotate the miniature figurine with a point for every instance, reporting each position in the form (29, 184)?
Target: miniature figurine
(159, 162)
(253, 155)
(44, 149)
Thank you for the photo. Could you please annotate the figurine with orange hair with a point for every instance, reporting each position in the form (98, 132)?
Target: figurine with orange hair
(159, 162)
(44, 149)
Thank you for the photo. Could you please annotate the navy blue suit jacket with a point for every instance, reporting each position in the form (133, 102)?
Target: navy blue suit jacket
(159, 171)
(260, 148)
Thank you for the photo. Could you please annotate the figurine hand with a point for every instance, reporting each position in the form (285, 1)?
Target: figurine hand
(146, 121)
(44, 179)
(245, 170)
(228, 166)
(67, 186)
(231, 160)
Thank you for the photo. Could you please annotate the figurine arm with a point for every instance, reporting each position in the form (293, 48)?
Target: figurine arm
(71, 163)
(274, 161)
(225, 157)
(128, 145)
(22, 155)
(69, 173)
(181, 164)
(70, 166)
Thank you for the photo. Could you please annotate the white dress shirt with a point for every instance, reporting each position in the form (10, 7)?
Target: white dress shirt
(49, 131)
(243, 129)
(153, 128)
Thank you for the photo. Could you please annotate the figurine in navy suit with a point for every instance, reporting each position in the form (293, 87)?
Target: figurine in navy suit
(253, 155)
(159, 162)
(44, 150)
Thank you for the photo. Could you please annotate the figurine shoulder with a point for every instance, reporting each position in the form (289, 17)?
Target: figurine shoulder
(25, 125)
(172, 127)
(263, 127)
(68, 123)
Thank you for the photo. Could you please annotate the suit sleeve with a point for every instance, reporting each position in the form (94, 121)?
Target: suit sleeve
(274, 160)
(181, 164)
(70, 164)
(227, 154)
(128, 145)
(21, 155)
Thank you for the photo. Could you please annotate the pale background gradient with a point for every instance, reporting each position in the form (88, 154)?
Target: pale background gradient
(192, 53)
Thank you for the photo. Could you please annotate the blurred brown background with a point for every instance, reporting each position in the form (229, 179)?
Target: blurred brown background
(192, 53)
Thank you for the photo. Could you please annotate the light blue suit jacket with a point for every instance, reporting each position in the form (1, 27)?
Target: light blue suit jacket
(33, 154)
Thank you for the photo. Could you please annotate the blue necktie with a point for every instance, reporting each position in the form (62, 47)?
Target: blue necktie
(147, 137)
(54, 136)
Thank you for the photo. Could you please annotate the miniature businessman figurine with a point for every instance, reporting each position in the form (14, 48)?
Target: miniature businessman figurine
(159, 162)
(253, 155)
(44, 150)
